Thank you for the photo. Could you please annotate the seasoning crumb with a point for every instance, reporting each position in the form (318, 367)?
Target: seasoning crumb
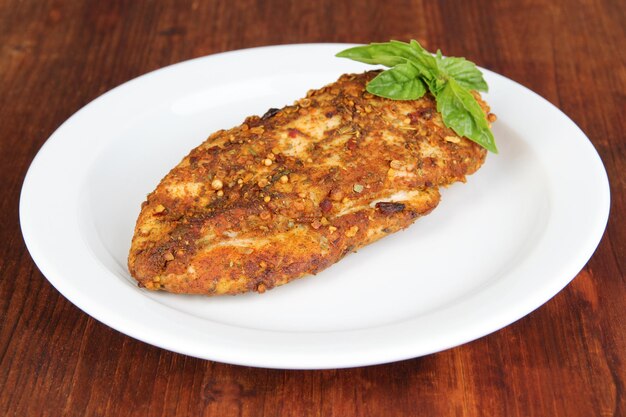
(284, 179)
(326, 205)
(331, 229)
(267, 162)
(335, 194)
(351, 232)
(357, 188)
(267, 198)
(220, 193)
(395, 164)
(262, 183)
(168, 256)
(217, 184)
(452, 139)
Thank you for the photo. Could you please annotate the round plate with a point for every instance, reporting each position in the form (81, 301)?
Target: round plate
(495, 249)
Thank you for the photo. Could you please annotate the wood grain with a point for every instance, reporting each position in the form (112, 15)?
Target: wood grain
(565, 359)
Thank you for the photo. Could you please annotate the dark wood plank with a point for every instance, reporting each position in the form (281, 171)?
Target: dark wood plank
(567, 358)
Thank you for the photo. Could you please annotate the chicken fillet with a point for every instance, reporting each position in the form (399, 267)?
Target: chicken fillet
(290, 193)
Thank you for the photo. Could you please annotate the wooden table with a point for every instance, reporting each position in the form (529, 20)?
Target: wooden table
(566, 359)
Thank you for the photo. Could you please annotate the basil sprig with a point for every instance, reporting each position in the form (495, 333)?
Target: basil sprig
(414, 70)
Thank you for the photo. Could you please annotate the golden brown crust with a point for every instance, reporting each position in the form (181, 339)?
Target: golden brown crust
(290, 193)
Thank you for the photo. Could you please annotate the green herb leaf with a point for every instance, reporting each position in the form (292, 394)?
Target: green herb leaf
(399, 83)
(413, 70)
(386, 54)
(419, 57)
(461, 113)
(464, 72)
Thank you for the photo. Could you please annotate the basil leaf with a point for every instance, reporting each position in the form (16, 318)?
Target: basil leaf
(398, 83)
(419, 57)
(463, 114)
(464, 72)
(385, 54)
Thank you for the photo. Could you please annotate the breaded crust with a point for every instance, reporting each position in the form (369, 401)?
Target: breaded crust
(290, 193)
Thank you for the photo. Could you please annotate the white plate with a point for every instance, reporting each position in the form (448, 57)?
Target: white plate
(495, 249)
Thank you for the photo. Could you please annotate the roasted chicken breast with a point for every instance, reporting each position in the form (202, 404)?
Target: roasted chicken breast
(290, 193)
